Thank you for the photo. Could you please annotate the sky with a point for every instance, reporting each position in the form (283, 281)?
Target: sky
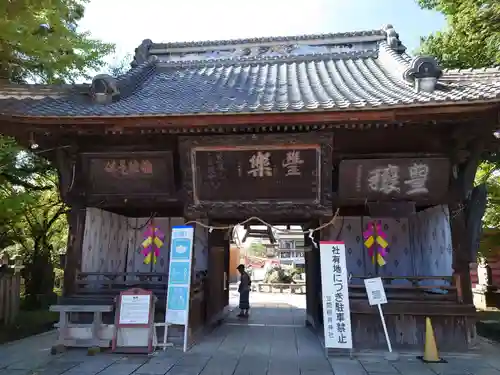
(127, 22)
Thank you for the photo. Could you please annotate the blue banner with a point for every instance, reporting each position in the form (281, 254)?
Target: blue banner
(179, 275)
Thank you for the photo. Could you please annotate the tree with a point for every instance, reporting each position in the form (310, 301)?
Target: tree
(33, 223)
(472, 36)
(118, 66)
(487, 173)
(257, 249)
(472, 40)
(38, 230)
(18, 179)
(39, 41)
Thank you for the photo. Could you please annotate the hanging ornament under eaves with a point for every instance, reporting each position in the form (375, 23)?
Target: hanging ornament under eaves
(153, 241)
(375, 242)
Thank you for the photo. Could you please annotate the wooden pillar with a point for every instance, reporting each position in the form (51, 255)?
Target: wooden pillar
(461, 252)
(217, 288)
(76, 221)
(318, 236)
(310, 288)
(461, 187)
(313, 279)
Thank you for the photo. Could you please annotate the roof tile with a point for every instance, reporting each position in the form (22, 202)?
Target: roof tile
(328, 82)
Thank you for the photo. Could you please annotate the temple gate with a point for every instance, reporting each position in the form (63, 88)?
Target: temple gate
(287, 129)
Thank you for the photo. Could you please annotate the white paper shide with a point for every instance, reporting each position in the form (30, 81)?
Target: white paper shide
(135, 309)
(336, 311)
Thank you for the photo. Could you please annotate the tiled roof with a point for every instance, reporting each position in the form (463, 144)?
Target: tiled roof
(348, 72)
(274, 39)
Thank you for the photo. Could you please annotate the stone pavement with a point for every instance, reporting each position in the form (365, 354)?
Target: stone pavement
(264, 345)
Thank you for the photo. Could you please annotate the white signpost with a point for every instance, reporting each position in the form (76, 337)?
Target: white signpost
(376, 296)
(334, 286)
(179, 279)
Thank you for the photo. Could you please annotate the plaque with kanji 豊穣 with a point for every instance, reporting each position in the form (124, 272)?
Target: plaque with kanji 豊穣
(272, 173)
(424, 179)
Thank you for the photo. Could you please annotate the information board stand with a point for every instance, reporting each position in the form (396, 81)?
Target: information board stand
(335, 291)
(179, 280)
(376, 296)
(134, 322)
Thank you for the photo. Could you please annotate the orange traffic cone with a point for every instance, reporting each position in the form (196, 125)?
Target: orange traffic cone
(431, 354)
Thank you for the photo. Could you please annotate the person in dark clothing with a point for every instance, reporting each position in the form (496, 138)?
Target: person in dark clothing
(244, 290)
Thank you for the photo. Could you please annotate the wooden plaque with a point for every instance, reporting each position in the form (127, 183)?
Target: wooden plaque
(410, 179)
(244, 175)
(129, 174)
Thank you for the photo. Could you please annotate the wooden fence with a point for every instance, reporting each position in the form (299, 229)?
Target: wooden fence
(10, 289)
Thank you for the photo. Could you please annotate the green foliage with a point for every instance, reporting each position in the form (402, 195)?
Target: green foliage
(257, 249)
(488, 173)
(40, 41)
(32, 217)
(471, 40)
(472, 36)
(279, 275)
(40, 232)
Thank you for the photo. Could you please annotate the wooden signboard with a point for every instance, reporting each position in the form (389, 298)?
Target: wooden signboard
(254, 174)
(420, 180)
(134, 319)
(129, 174)
(267, 173)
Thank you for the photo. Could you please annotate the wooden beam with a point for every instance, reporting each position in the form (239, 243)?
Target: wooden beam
(387, 115)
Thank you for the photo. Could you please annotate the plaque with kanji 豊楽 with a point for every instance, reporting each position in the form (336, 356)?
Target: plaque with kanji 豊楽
(257, 174)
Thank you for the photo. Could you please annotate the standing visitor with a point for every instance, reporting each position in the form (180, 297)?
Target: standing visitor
(244, 290)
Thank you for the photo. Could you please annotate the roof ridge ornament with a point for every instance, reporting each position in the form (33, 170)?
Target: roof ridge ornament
(142, 53)
(393, 39)
(104, 89)
(423, 72)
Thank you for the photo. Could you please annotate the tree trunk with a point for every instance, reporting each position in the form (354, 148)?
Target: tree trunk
(39, 276)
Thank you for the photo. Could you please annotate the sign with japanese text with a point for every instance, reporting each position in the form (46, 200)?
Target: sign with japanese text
(375, 291)
(335, 292)
(241, 173)
(133, 173)
(388, 179)
(135, 309)
(179, 275)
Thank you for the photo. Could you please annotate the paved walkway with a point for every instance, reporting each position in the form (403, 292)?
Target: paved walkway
(265, 345)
